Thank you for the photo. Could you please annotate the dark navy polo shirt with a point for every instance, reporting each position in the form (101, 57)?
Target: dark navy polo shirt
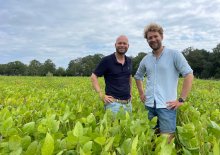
(116, 75)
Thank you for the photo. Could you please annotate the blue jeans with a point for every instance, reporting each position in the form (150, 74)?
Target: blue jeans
(166, 121)
(115, 107)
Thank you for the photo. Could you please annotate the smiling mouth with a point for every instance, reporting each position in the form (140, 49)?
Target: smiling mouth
(154, 44)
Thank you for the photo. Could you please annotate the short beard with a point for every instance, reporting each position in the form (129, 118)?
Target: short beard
(121, 53)
(157, 47)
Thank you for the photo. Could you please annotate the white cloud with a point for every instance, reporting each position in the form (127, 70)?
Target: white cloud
(62, 30)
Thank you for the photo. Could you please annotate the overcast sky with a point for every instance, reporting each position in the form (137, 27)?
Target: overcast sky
(63, 30)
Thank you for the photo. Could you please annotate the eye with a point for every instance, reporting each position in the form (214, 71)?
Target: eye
(122, 43)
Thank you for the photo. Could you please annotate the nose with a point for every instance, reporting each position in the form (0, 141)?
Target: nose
(153, 39)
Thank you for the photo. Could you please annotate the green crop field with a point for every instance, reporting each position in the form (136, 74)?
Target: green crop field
(64, 116)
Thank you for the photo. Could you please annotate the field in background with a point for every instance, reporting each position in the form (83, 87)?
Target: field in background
(52, 115)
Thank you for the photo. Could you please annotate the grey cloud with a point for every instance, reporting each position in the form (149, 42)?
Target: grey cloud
(62, 30)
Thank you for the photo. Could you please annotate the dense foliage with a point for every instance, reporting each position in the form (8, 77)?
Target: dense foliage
(54, 115)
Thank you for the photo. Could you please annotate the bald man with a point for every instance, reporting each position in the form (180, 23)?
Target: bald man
(116, 69)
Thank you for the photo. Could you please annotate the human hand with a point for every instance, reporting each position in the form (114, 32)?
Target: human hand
(106, 98)
(143, 98)
(131, 98)
(174, 104)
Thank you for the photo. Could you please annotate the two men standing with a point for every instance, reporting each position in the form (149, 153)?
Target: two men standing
(162, 68)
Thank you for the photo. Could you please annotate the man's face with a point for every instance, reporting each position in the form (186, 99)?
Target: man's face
(121, 45)
(154, 40)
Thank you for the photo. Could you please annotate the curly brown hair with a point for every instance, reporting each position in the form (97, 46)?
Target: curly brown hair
(153, 27)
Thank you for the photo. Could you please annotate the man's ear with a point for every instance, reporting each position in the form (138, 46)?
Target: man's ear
(162, 36)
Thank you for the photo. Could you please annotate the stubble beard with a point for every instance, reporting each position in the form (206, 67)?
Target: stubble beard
(121, 51)
(155, 46)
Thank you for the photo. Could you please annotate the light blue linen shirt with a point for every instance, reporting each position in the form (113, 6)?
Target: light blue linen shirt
(162, 76)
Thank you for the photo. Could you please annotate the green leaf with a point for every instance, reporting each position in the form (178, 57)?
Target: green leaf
(25, 142)
(66, 114)
(101, 129)
(32, 148)
(134, 146)
(60, 153)
(18, 151)
(48, 124)
(54, 125)
(48, 146)
(186, 152)
(81, 151)
(91, 118)
(5, 114)
(14, 142)
(127, 116)
(87, 146)
(3, 144)
(71, 141)
(216, 150)
(166, 149)
(80, 108)
(6, 127)
(78, 130)
(214, 128)
(29, 127)
(109, 144)
(83, 139)
(126, 146)
(100, 140)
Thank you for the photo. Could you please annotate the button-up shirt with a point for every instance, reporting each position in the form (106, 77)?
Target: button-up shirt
(162, 76)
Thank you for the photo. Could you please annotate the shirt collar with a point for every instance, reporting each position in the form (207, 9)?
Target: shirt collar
(163, 51)
(115, 60)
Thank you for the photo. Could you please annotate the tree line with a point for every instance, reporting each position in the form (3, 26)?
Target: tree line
(204, 64)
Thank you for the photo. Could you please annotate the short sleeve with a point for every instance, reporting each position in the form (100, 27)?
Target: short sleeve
(181, 64)
(101, 68)
(141, 70)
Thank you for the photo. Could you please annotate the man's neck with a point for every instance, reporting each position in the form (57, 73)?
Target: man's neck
(158, 52)
(120, 57)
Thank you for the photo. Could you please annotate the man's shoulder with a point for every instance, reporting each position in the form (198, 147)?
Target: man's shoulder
(108, 57)
(128, 58)
(148, 56)
(171, 51)
(175, 54)
(167, 49)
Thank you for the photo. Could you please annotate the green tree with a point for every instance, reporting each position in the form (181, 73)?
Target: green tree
(216, 61)
(198, 60)
(74, 67)
(83, 66)
(3, 68)
(60, 72)
(34, 68)
(16, 68)
(48, 67)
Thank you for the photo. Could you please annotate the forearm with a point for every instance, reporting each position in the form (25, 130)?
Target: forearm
(187, 84)
(139, 84)
(96, 86)
(130, 82)
(95, 83)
